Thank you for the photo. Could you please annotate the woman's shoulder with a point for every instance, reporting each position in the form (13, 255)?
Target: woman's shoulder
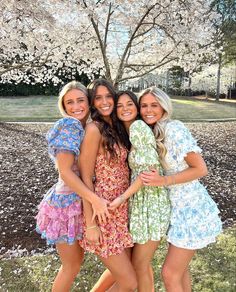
(67, 122)
(174, 124)
(139, 125)
(65, 125)
(92, 130)
(93, 126)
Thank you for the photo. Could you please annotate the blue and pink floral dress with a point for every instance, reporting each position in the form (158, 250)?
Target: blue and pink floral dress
(59, 219)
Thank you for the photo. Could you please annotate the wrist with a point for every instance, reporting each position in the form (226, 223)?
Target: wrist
(165, 181)
(122, 198)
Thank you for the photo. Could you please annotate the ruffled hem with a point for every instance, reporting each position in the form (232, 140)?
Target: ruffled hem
(107, 250)
(152, 237)
(58, 225)
(195, 236)
(62, 239)
(192, 245)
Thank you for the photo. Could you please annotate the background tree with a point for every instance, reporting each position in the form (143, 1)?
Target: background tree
(118, 39)
(225, 36)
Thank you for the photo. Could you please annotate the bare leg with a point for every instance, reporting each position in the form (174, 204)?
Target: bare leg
(186, 281)
(142, 256)
(71, 258)
(122, 270)
(175, 269)
(107, 280)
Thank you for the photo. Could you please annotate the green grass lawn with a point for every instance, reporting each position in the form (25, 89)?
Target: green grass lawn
(29, 109)
(213, 269)
(44, 109)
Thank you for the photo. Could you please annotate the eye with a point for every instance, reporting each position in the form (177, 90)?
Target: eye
(143, 105)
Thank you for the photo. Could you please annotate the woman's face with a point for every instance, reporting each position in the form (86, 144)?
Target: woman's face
(76, 105)
(103, 101)
(126, 109)
(150, 109)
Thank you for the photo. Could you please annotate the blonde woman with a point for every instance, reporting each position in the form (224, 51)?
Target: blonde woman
(194, 219)
(59, 219)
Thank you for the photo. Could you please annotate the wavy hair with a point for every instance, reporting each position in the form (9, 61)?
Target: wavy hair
(159, 128)
(71, 85)
(121, 126)
(112, 134)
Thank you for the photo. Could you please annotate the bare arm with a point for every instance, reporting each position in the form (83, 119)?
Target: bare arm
(132, 189)
(88, 155)
(197, 168)
(65, 162)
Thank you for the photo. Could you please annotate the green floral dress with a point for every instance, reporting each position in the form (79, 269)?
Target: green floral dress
(149, 208)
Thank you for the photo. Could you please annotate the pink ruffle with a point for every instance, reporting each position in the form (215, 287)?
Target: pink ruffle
(60, 224)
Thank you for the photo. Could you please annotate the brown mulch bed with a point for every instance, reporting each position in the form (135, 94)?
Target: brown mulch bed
(26, 173)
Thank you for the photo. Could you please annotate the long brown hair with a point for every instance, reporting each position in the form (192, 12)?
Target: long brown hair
(112, 134)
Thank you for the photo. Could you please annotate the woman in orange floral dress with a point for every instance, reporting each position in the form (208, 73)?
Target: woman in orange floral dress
(104, 154)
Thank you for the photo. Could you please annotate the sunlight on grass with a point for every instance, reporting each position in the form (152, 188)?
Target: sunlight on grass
(44, 108)
(213, 269)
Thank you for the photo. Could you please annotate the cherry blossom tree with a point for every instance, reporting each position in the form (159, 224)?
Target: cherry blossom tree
(118, 39)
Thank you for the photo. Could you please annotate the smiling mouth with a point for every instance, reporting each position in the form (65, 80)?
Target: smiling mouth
(105, 108)
(77, 113)
(126, 114)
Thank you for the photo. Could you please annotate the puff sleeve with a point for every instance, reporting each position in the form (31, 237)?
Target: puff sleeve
(143, 146)
(179, 141)
(66, 136)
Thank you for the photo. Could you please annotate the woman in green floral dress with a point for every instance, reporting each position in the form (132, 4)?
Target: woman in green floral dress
(149, 207)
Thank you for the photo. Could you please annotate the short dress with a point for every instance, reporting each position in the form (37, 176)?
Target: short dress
(112, 179)
(59, 219)
(149, 208)
(194, 218)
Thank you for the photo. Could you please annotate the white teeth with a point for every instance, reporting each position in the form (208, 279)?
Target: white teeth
(105, 108)
(149, 117)
(126, 114)
(77, 113)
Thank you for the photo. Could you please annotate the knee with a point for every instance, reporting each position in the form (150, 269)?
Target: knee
(73, 268)
(141, 268)
(168, 275)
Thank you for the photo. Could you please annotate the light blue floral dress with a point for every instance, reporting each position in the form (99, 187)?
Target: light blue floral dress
(149, 208)
(194, 218)
(60, 213)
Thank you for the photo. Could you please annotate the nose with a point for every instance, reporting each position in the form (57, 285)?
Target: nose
(125, 108)
(149, 109)
(104, 100)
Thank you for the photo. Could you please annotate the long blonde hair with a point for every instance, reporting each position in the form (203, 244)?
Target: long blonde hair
(159, 128)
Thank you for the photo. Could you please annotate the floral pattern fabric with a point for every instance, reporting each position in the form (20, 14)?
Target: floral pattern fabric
(59, 218)
(149, 208)
(194, 218)
(112, 179)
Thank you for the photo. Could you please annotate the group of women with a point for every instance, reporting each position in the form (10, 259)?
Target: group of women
(127, 178)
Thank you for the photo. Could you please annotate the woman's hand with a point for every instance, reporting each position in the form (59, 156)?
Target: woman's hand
(94, 235)
(100, 210)
(116, 203)
(152, 178)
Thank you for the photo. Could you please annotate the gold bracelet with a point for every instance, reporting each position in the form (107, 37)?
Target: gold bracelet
(91, 227)
(122, 198)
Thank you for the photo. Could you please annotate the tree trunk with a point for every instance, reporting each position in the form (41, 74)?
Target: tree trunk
(218, 78)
